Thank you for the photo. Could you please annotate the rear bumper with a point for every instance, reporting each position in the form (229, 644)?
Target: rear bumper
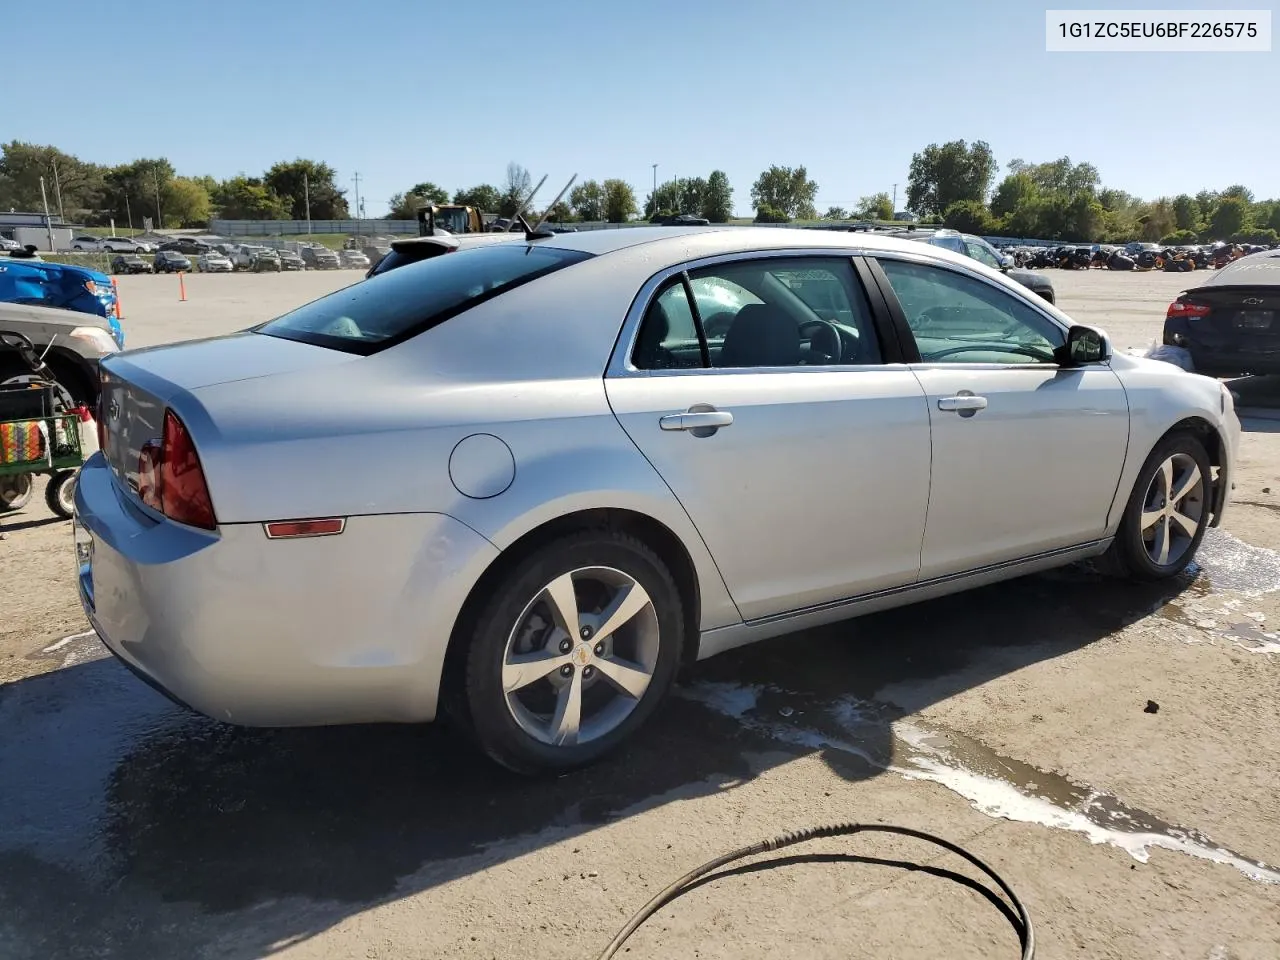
(344, 629)
(1213, 353)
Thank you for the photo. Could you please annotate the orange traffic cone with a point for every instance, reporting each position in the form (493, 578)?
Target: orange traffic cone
(182, 288)
(115, 288)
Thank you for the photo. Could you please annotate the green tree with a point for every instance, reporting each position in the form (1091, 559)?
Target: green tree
(1273, 220)
(1178, 238)
(484, 197)
(619, 201)
(665, 201)
(1014, 189)
(1239, 190)
(587, 201)
(1186, 214)
(187, 202)
(1231, 216)
(717, 199)
(836, 213)
(404, 206)
(878, 206)
(136, 190)
(1206, 201)
(248, 198)
(967, 216)
(941, 175)
(79, 183)
(296, 180)
(1084, 217)
(1059, 176)
(768, 214)
(786, 189)
(561, 213)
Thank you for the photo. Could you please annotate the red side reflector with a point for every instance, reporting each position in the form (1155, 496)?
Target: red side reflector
(1180, 309)
(292, 529)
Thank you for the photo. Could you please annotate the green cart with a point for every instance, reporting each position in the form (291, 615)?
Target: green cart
(39, 434)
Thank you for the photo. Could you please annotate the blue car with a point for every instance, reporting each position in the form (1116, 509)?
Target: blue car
(60, 285)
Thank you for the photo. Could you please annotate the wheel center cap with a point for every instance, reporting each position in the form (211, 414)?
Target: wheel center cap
(582, 654)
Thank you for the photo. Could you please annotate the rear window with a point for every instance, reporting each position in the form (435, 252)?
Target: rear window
(383, 310)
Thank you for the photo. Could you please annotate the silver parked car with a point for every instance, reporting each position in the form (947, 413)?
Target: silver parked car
(590, 490)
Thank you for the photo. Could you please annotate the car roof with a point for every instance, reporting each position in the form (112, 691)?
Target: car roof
(1257, 269)
(677, 244)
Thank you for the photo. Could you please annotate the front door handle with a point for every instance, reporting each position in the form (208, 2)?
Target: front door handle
(962, 404)
(697, 420)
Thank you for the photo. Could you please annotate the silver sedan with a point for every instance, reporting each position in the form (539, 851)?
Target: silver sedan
(525, 483)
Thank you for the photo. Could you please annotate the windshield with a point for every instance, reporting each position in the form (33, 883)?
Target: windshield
(455, 221)
(384, 310)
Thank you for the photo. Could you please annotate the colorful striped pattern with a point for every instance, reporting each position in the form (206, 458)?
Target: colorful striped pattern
(21, 442)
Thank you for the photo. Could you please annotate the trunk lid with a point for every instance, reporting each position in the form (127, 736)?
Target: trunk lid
(1249, 315)
(138, 386)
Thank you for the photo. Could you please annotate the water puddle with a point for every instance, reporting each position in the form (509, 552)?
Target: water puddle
(995, 785)
(77, 648)
(1229, 563)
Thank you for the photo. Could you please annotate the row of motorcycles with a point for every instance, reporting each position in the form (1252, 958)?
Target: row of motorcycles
(1107, 257)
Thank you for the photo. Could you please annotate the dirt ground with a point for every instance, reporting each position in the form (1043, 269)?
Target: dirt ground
(1015, 720)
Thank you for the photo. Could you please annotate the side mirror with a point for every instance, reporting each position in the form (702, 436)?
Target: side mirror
(1084, 345)
(1006, 262)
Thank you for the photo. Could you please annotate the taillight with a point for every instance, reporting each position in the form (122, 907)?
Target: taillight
(170, 478)
(1180, 308)
(184, 495)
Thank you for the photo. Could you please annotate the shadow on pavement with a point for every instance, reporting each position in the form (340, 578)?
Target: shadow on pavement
(126, 819)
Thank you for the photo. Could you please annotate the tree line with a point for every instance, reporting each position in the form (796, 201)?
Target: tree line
(954, 183)
(1062, 200)
(91, 193)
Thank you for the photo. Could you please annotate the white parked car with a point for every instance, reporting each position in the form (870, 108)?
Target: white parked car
(214, 262)
(87, 243)
(592, 488)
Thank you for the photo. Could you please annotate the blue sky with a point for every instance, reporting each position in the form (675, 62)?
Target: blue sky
(411, 90)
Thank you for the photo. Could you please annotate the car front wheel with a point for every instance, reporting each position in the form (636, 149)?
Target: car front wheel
(1167, 513)
(573, 651)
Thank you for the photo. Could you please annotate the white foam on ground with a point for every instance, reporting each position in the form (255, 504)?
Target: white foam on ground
(988, 795)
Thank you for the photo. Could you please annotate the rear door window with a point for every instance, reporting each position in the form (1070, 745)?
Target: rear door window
(384, 310)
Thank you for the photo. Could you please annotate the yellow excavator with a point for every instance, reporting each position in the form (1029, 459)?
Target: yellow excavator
(452, 219)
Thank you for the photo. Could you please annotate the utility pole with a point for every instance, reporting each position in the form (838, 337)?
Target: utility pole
(128, 213)
(48, 225)
(57, 189)
(306, 193)
(655, 188)
(155, 175)
(895, 198)
(356, 179)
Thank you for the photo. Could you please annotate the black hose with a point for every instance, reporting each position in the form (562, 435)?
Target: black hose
(1026, 934)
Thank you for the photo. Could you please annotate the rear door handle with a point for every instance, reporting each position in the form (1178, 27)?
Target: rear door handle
(962, 404)
(700, 420)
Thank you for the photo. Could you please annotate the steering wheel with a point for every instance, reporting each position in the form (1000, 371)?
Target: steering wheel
(824, 330)
(1015, 348)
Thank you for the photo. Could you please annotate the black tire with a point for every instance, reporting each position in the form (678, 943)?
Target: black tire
(1127, 556)
(15, 492)
(486, 715)
(59, 493)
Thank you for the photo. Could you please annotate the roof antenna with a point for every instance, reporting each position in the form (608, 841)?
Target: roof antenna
(533, 231)
(527, 200)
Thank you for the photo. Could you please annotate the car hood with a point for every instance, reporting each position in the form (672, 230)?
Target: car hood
(194, 364)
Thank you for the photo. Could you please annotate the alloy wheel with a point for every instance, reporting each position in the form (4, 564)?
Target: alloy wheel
(1173, 509)
(580, 656)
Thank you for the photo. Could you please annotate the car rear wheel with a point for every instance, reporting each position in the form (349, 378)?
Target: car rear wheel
(60, 494)
(1167, 513)
(577, 647)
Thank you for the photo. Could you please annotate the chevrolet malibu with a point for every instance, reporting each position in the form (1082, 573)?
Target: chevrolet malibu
(522, 485)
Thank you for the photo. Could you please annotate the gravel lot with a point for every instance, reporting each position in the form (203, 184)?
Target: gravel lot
(1010, 720)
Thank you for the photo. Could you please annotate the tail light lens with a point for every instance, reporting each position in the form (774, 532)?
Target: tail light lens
(1181, 309)
(170, 478)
